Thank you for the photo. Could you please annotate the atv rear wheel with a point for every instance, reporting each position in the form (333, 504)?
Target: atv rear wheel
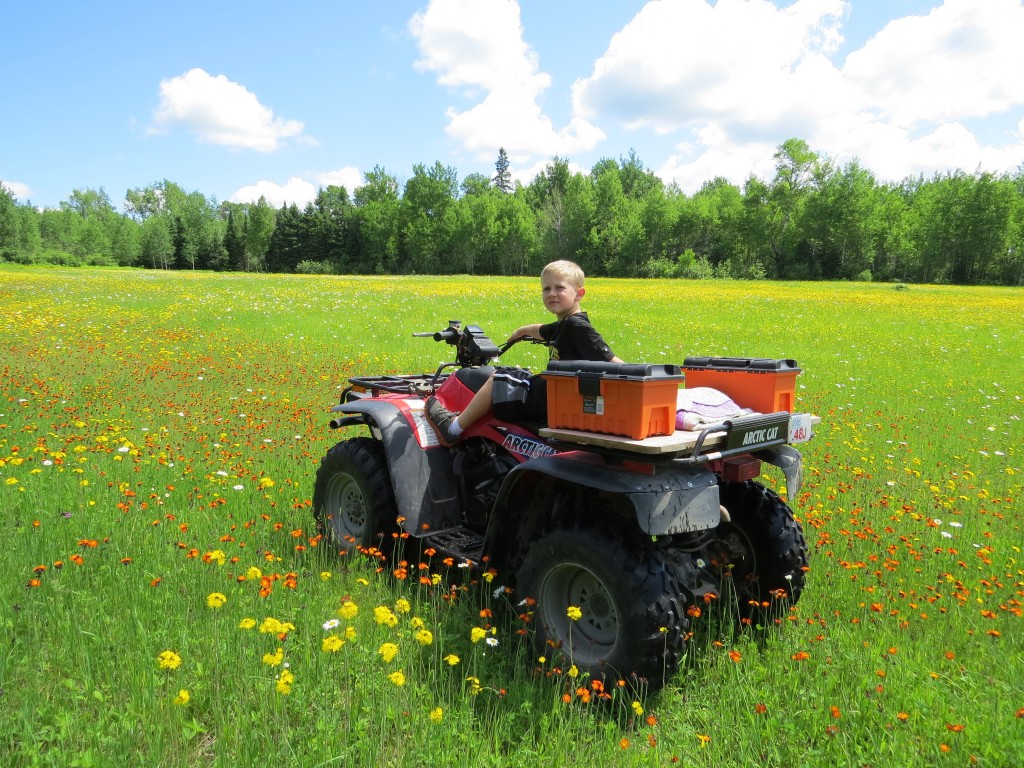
(632, 605)
(763, 545)
(353, 502)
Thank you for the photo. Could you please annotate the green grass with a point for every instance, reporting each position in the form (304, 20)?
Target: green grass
(159, 434)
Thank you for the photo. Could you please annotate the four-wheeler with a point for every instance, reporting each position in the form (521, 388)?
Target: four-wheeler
(632, 533)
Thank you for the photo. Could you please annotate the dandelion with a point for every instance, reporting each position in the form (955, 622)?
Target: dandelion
(474, 685)
(274, 659)
(573, 672)
(451, 659)
(476, 634)
(436, 715)
(169, 660)
(272, 626)
(398, 678)
(638, 708)
(384, 616)
(254, 573)
(424, 636)
(331, 644)
(402, 605)
(182, 698)
(216, 556)
(247, 623)
(388, 651)
(325, 575)
(216, 600)
(574, 613)
(350, 633)
(284, 682)
(348, 610)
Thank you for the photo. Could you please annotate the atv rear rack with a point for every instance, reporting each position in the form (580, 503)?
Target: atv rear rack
(732, 437)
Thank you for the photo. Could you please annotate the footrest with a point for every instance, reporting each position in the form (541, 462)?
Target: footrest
(462, 543)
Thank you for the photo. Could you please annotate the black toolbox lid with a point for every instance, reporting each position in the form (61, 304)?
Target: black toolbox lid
(754, 364)
(614, 370)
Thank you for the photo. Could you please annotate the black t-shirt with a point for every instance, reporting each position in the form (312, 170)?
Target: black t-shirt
(574, 338)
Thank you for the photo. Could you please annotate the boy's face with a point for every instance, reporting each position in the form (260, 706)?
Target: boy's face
(560, 296)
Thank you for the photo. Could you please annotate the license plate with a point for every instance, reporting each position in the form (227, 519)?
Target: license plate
(800, 428)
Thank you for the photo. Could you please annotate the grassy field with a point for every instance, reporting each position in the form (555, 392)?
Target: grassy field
(164, 600)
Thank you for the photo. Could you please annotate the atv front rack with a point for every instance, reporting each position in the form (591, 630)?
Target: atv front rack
(406, 384)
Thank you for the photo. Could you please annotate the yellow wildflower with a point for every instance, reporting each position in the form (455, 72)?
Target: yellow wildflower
(476, 634)
(284, 682)
(451, 659)
(436, 715)
(348, 610)
(274, 659)
(182, 698)
(398, 678)
(247, 623)
(402, 605)
(424, 636)
(169, 660)
(574, 613)
(383, 615)
(388, 651)
(332, 644)
(216, 600)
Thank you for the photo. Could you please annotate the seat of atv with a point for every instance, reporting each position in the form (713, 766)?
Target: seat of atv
(475, 377)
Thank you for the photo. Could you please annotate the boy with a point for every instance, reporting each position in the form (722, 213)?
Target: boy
(514, 393)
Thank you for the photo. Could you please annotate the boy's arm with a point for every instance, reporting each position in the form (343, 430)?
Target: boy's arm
(527, 331)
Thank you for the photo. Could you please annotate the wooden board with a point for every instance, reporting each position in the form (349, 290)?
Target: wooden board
(677, 442)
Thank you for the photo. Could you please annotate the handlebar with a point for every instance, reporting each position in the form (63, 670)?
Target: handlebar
(472, 345)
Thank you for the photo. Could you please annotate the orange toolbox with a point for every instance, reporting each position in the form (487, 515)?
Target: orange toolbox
(762, 384)
(637, 400)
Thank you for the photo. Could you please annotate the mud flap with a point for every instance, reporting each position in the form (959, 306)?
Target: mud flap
(791, 463)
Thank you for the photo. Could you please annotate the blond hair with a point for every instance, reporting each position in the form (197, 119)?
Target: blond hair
(569, 271)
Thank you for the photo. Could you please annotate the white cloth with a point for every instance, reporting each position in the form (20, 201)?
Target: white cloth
(697, 407)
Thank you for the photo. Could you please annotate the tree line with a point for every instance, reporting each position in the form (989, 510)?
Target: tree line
(813, 220)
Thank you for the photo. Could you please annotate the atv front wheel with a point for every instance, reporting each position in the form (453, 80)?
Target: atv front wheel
(353, 502)
(631, 606)
(763, 548)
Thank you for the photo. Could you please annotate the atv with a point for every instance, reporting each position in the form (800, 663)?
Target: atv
(635, 534)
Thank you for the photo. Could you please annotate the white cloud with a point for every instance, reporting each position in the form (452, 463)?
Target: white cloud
(348, 177)
(220, 111)
(730, 81)
(477, 47)
(20, 191)
(962, 60)
(295, 190)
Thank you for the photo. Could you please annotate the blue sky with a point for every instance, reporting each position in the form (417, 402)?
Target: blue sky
(237, 100)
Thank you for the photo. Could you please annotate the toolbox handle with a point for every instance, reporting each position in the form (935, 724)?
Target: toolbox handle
(589, 383)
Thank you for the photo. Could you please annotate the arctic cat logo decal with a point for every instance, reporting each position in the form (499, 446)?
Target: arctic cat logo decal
(761, 436)
(524, 446)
